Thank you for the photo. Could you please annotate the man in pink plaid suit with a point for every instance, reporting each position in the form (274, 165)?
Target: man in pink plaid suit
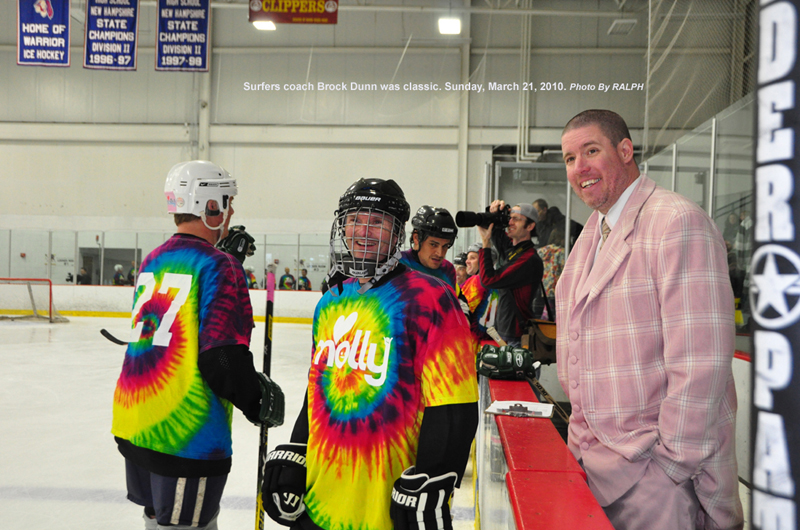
(645, 342)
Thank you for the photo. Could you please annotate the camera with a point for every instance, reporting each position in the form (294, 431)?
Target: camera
(484, 219)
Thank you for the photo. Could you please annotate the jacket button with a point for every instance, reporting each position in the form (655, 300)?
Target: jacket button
(573, 359)
(573, 384)
(574, 335)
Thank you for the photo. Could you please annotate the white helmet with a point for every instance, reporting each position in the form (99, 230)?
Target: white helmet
(117, 267)
(191, 185)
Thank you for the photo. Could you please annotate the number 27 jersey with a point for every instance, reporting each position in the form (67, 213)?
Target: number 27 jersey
(189, 297)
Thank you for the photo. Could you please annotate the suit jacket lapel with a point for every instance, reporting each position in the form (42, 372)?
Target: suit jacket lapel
(618, 246)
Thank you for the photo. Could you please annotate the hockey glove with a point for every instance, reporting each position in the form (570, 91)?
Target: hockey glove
(238, 243)
(272, 403)
(506, 362)
(421, 502)
(284, 483)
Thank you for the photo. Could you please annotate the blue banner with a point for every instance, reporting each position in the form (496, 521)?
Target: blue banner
(43, 32)
(110, 36)
(182, 43)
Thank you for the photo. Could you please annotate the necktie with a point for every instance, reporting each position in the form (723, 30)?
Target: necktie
(605, 229)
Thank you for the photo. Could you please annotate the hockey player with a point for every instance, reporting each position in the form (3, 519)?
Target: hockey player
(303, 282)
(286, 283)
(482, 302)
(188, 360)
(433, 234)
(390, 411)
(119, 277)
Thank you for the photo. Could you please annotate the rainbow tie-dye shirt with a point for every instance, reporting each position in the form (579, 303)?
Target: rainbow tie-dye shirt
(446, 271)
(378, 360)
(189, 297)
(482, 305)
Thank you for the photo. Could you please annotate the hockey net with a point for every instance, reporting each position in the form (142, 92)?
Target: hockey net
(28, 299)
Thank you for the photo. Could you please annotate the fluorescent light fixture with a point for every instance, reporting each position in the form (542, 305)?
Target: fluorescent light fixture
(622, 26)
(265, 25)
(450, 26)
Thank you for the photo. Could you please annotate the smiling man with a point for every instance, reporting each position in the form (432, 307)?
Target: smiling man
(645, 342)
(390, 412)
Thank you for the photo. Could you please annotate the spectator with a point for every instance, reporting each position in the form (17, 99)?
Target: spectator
(84, 278)
(730, 230)
(286, 283)
(252, 282)
(551, 217)
(553, 260)
(132, 274)
(303, 283)
(460, 263)
(744, 240)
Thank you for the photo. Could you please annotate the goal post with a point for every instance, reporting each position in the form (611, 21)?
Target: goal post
(28, 299)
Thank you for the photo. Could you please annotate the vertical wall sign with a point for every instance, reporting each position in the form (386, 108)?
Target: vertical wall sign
(110, 34)
(775, 273)
(43, 32)
(182, 39)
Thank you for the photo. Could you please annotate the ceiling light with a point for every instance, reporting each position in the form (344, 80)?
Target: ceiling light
(622, 26)
(265, 25)
(450, 26)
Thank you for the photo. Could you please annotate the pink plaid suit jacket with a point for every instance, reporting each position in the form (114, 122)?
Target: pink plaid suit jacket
(645, 343)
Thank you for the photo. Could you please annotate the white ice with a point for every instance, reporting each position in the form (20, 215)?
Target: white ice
(59, 465)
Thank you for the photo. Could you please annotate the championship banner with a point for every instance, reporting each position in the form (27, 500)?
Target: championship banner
(295, 11)
(775, 273)
(182, 39)
(43, 32)
(110, 36)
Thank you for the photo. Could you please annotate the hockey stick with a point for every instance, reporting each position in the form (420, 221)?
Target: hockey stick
(262, 446)
(532, 380)
(112, 338)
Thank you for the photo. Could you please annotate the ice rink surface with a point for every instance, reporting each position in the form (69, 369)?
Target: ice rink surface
(59, 465)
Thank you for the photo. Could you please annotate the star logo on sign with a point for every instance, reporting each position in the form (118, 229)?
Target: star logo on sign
(769, 289)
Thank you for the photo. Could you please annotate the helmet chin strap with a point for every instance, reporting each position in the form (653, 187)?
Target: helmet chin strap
(217, 229)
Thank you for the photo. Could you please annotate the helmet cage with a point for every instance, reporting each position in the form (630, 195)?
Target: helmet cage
(363, 230)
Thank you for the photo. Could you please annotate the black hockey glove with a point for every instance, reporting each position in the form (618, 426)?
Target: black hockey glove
(284, 483)
(421, 502)
(238, 243)
(506, 362)
(272, 403)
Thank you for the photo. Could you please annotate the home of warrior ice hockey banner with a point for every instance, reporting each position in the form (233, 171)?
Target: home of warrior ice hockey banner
(43, 32)
(182, 42)
(110, 34)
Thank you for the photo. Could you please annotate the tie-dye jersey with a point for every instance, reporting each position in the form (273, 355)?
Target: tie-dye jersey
(446, 271)
(482, 306)
(189, 297)
(378, 360)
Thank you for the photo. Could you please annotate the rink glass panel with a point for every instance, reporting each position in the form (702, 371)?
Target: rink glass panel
(490, 462)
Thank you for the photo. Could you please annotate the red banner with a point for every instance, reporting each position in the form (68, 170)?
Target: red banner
(295, 11)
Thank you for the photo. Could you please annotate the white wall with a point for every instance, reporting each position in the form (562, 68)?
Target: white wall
(118, 301)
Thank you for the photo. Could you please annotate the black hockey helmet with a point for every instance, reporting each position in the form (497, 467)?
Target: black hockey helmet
(434, 222)
(357, 251)
(378, 194)
(460, 260)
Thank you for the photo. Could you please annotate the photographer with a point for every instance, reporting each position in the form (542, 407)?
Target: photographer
(518, 271)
